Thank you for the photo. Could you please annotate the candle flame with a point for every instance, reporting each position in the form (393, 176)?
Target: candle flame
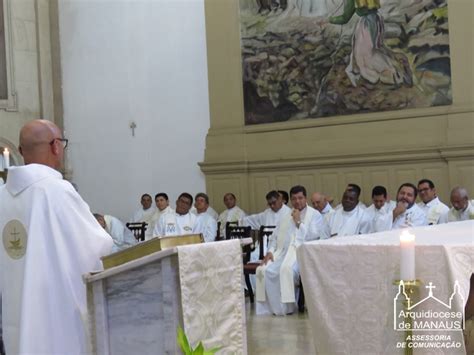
(407, 237)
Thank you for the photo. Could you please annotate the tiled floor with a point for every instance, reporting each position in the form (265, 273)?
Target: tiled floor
(278, 335)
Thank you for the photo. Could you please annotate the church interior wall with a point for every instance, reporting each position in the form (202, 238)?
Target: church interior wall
(324, 154)
(142, 62)
(147, 63)
(31, 67)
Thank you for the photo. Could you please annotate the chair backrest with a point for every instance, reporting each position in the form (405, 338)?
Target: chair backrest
(218, 232)
(264, 234)
(240, 232)
(138, 229)
(227, 228)
(237, 232)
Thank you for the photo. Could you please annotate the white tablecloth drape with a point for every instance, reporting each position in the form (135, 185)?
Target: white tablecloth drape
(348, 284)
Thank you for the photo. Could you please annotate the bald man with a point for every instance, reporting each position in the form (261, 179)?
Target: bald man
(462, 209)
(50, 239)
(320, 202)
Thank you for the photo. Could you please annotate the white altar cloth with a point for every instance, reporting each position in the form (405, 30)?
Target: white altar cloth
(349, 291)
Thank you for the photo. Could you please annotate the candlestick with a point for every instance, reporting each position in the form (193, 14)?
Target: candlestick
(6, 158)
(407, 256)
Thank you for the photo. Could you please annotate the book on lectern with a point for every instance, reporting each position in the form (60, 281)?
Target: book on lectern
(148, 247)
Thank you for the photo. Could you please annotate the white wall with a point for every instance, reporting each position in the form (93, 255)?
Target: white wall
(142, 61)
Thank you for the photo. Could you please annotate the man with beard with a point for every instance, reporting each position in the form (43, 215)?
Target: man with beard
(407, 213)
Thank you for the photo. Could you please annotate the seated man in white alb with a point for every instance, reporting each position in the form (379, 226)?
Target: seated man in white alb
(270, 217)
(320, 202)
(358, 190)
(462, 209)
(406, 214)
(379, 209)
(121, 235)
(350, 219)
(205, 223)
(210, 211)
(233, 213)
(430, 203)
(145, 214)
(278, 273)
(179, 223)
(162, 207)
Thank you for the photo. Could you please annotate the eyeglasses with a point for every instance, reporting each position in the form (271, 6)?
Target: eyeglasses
(63, 141)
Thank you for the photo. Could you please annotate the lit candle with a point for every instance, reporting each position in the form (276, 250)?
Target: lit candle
(6, 158)
(407, 256)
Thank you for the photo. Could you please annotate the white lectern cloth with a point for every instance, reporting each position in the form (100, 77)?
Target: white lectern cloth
(212, 295)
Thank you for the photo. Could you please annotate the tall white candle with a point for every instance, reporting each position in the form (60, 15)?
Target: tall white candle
(407, 256)
(6, 158)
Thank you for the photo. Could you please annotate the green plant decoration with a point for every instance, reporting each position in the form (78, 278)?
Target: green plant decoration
(188, 350)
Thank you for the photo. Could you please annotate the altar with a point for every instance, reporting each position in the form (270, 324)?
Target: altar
(351, 297)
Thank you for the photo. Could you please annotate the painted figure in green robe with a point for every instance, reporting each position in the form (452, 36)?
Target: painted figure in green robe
(370, 58)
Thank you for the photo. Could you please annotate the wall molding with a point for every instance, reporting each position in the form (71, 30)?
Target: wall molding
(343, 160)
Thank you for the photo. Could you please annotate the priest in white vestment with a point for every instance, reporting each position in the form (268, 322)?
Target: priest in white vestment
(233, 213)
(463, 208)
(162, 207)
(145, 214)
(205, 223)
(278, 274)
(358, 190)
(320, 203)
(406, 214)
(121, 235)
(179, 223)
(50, 239)
(210, 211)
(270, 217)
(430, 203)
(350, 219)
(380, 209)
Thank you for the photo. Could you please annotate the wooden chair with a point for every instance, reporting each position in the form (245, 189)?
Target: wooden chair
(138, 229)
(241, 232)
(250, 268)
(228, 225)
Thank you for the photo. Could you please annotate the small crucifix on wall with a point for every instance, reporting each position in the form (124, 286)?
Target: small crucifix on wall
(133, 125)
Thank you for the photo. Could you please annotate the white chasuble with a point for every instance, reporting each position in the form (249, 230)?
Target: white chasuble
(50, 239)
